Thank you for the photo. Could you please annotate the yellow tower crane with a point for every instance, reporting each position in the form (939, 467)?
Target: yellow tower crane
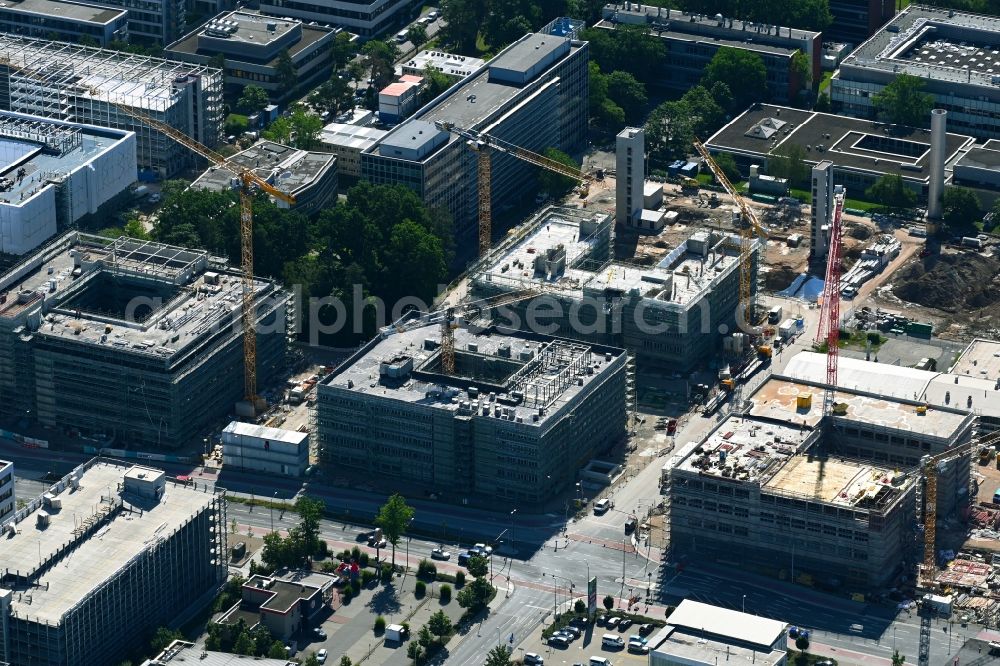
(750, 227)
(249, 184)
(448, 323)
(484, 144)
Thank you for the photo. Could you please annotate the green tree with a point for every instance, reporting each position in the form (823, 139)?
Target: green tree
(310, 510)
(424, 637)
(822, 103)
(306, 128)
(579, 606)
(334, 96)
(628, 93)
(439, 625)
(413, 650)
(744, 74)
(478, 566)
(244, 645)
(463, 19)
(311, 660)
(891, 191)
(609, 601)
(554, 183)
(961, 209)
(789, 161)
(343, 49)
(394, 517)
(134, 229)
(286, 73)
(252, 99)
(904, 102)
(897, 658)
(277, 650)
(416, 34)
(727, 163)
(801, 68)
(280, 131)
(435, 83)
(380, 61)
(669, 132)
(345, 661)
(801, 643)
(706, 111)
(417, 261)
(162, 638)
(498, 656)
(629, 48)
(357, 71)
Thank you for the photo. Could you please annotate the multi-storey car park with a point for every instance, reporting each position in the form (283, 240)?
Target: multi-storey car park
(672, 314)
(129, 342)
(533, 94)
(955, 54)
(97, 87)
(111, 552)
(513, 423)
(832, 499)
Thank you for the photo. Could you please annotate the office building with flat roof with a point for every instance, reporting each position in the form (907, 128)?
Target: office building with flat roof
(252, 44)
(692, 40)
(63, 20)
(95, 87)
(286, 604)
(954, 53)
(111, 552)
(784, 479)
(532, 94)
(455, 66)
(130, 342)
(8, 499)
(672, 315)
(52, 173)
(348, 142)
(511, 425)
(308, 176)
(182, 653)
(366, 18)
(861, 151)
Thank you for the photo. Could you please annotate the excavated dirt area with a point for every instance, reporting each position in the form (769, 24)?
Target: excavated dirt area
(952, 283)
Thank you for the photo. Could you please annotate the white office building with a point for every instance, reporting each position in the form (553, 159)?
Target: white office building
(271, 450)
(8, 499)
(630, 146)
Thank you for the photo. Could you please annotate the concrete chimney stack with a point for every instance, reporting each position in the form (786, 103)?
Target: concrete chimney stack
(939, 119)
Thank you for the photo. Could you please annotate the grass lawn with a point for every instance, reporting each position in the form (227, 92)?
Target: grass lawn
(805, 197)
(705, 178)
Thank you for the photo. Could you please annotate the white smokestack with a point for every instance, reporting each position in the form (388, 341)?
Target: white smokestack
(939, 119)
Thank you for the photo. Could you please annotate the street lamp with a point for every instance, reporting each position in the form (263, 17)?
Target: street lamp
(744, 603)
(555, 591)
(272, 510)
(513, 547)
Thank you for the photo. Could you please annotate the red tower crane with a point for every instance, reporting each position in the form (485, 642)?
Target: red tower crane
(829, 321)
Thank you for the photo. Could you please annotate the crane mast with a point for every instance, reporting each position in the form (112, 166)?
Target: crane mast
(829, 321)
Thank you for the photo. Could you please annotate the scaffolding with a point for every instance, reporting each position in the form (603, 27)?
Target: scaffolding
(96, 86)
(59, 139)
(545, 377)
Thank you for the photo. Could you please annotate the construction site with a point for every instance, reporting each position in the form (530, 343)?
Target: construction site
(108, 554)
(129, 342)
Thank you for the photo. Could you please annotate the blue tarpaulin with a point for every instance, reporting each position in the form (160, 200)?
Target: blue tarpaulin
(804, 286)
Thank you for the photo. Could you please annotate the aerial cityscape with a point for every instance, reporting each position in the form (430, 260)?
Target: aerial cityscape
(500, 333)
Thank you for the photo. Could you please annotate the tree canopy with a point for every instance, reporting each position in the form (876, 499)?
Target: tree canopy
(891, 191)
(904, 102)
(743, 72)
(252, 99)
(628, 49)
(498, 656)
(961, 209)
(554, 183)
(789, 161)
(286, 73)
(673, 125)
(394, 517)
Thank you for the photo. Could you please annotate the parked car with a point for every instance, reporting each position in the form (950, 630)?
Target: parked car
(440, 554)
(637, 648)
(601, 620)
(645, 629)
(624, 624)
(579, 622)
(573, 630)
(433, 14)
(321, 655)
(320, 634)
(533, 658)
(463, 559)
(556, 640)
(612, 622)
(484, 550)
(602, 506)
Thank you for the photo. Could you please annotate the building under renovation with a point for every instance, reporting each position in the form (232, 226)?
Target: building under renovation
(98, 87)
(111, 552)
(832, 501)
(511, 425)
(672, 314)
(129, 342)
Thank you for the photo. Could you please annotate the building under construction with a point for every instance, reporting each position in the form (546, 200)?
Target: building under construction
(111, 552)
(129, 342)
(830, 500)
(97, 87)
(511, 425)
(671, 315)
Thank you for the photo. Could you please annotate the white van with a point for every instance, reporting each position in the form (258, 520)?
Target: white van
(599, 661)
(401, 36)
(612, 641)
(602, 506)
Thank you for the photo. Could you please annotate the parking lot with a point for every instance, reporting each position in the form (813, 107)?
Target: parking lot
(588, 645)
